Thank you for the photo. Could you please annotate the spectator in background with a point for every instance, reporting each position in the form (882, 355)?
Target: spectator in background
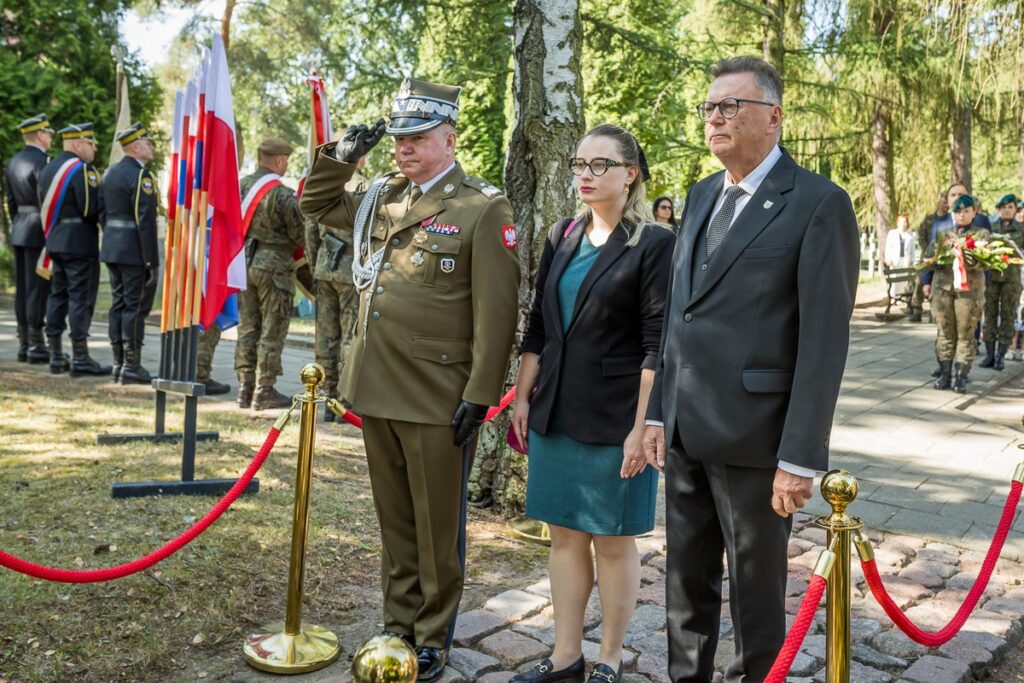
(901, 252)
(924, 232)
(665, 212)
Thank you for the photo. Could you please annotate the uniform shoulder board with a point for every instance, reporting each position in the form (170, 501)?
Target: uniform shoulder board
(480, 185)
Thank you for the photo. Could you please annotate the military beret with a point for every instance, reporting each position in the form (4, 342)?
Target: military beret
(34, 124)
(275, 147)
(964, 201)
(134, 132)
(421, 106)
(1007, 199)
(77, 130)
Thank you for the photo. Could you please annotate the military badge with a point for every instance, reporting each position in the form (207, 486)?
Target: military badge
(447, 264)
(488, 189)
(417, 258)
(420, 237)
(92, 178)
(508, 236)
(449, 187)
(147, 185)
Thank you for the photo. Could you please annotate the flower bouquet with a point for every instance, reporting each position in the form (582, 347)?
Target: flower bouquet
(978, 253)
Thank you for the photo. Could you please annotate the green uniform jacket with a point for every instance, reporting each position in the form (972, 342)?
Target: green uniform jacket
(443, 312)
(1015, 233)
(943, 275)
(319, 259)
(277, 226)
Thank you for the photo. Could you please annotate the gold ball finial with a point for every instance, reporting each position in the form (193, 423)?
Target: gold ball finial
(312, 375)
(839, 489)
(384, 659)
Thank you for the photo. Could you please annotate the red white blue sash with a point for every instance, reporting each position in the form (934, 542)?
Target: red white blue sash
(255, 195)
(51, 206)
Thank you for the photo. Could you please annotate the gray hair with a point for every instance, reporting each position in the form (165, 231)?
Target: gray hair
(765, 75)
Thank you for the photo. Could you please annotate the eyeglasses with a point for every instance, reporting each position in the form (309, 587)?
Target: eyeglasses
(664, 206)
(598, 165)
(728, 108)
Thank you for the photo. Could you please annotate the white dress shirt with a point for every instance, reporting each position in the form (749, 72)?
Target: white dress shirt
(424, 187)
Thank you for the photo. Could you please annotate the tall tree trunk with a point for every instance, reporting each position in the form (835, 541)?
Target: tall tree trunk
(225, 23)
(547, 90)
(773, 42)
(960, 143)
(1020, 138)
(881, 175)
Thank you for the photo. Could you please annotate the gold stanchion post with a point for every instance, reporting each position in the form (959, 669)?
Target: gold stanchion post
(839, 489)
(295, 647)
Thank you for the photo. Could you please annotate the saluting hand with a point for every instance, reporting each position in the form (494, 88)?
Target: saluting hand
(790, 492)
(654, 446)
(358, 141)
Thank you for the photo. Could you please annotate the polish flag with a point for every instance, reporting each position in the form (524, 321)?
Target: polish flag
(320, 130)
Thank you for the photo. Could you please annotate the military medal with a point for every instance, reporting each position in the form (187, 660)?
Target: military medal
(420, 237)
(447, 264)
(417, 258)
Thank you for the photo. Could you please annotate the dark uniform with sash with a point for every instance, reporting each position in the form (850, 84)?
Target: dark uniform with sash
(30, 290)
(73, 246)
(131, 254)
(438, 275)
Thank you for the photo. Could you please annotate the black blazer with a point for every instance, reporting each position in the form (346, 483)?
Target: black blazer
(23, 197)
(590, 376)
(129, 215)
(751, 361)
(76, 232)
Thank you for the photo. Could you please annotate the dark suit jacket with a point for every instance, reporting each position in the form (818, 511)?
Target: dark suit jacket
(129, 215)
(751, 361)
(76, 232)
(22, 193)
(590, 376)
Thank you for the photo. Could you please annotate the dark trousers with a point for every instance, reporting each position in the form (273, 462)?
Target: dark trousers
(131, 302)
(72, 296)
(30, 290)
(710, 509)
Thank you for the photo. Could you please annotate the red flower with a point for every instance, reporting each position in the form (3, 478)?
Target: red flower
(969, 242)
(1006, 258)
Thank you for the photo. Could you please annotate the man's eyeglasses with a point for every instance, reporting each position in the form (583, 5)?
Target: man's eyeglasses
(728, 108)
(598, 165)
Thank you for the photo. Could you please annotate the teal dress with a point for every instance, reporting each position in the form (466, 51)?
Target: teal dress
(577, 485)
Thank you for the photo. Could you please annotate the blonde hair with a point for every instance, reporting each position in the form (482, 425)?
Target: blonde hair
(637, 212)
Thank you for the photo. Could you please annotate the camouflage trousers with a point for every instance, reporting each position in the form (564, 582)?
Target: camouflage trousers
(956, 314)
(208, 340)
(1001, 300)
(264, 312)
(337, 308)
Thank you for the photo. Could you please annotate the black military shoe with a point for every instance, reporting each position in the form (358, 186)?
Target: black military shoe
(58, 361)
(215, 388)
(244, 395)
(269, 397)
(990, 355)
(117, 349)
(432, 662)
(37, 352)
(22, 343)
(998, 363)
(603, 673)
(960, 378)
(132, 371)
(544, 673)
(82, 363)
(945, 378)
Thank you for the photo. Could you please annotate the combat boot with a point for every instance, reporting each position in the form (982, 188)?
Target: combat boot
(82, 363)
(915, 315)
(960, 371)
(944, 380)
(268, 397)
(37, 351)
(990, 353)
(999, 363)
(58, 361)
(133, 372)
(117, 350)
(245, 394)
(22, 343)
(213, 387)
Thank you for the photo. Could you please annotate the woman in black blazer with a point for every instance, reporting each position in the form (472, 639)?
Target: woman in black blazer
(588, 360)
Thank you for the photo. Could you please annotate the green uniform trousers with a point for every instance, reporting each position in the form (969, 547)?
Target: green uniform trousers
(418, 477)
(264, 313)
(1000, 307)
(208, 340)
(337, 307)
(956, 314)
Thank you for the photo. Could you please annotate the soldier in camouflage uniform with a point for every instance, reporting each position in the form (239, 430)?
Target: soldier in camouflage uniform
(265, 306)
(956, 312)
(1003, 291)
(337, 301)
(208, 340)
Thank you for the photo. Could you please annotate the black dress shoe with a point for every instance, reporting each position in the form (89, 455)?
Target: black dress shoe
(603, 673)
(432, 662)
(543, 673)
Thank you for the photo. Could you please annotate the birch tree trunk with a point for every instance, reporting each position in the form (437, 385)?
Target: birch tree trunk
(547, 92)
(960, 144)
(881, 176)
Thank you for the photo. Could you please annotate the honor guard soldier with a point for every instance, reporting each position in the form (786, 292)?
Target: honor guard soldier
(130, 251)
(274, 230)
(30, 290)
(1002, 293)
(434, 260)
(337, 302)
(70, 205)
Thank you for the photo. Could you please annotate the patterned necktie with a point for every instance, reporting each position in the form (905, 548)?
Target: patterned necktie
(415, 194)
(720, 223)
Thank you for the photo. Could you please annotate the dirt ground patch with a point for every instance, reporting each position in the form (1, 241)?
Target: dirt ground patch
(184, 620)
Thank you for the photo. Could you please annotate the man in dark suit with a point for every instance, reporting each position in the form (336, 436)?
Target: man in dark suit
(30, 290)
(753, 350)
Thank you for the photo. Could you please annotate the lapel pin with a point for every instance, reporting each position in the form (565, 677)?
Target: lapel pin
(768, 204)
(449, 187)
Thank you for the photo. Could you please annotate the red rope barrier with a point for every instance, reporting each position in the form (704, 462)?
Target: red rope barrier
(93, 575)
(357, 422)
(798, 631)
(946, 634)
(509, 396)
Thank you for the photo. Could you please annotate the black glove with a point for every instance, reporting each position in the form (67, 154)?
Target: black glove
(358, 141)
(970, 260)
(150, 278)
(467, 419)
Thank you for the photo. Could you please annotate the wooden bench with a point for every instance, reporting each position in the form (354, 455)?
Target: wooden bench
(897, 279)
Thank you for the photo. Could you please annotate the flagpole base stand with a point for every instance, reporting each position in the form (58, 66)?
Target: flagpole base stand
(273, 650)
(153, 437)
(531, 530)
(197, 487)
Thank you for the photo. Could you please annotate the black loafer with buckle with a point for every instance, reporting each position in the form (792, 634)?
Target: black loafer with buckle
(603, 673)
(544, 673)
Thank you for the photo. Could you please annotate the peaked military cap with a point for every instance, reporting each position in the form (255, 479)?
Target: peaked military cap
(77, 130)
(421, 106)
(134, 132)
(34, 124)
(962, 202)
(275, 147)
(1007, 199)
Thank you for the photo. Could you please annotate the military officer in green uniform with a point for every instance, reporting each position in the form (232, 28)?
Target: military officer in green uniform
(330, 251)
(276, 229)
(130, 251)
(956, 312)
(1002, 293)
(435, 264)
